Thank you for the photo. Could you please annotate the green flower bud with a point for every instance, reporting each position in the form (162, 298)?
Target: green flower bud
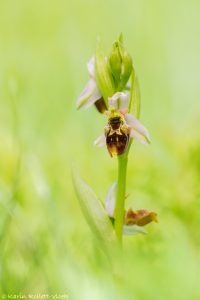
(115, 62)
(120, 64)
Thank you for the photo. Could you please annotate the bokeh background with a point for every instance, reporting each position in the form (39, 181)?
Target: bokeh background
(46, 245)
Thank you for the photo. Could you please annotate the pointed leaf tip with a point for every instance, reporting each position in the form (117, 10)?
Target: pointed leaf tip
(93, 211)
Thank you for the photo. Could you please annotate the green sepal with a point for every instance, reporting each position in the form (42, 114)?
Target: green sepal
(103, 74)
(94, 212)
(135, 99)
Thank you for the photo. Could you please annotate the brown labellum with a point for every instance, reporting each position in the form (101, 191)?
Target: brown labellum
(117, 143)
(117, 135)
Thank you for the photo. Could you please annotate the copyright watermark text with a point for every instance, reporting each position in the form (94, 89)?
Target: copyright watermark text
(34, 297)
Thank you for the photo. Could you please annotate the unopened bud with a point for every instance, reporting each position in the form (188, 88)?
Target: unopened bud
(120, 64)
(115, 61)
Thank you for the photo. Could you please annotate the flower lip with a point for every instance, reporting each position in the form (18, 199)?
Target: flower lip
(117, 133)
(117, 142)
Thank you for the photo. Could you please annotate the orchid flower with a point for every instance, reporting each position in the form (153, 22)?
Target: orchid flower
(133, 219)
(130, 125)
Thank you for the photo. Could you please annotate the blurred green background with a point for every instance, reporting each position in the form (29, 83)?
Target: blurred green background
(46, 245)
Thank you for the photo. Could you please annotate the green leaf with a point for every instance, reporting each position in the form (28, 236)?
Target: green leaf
(94, 211)
(103, 74)
(135, 99)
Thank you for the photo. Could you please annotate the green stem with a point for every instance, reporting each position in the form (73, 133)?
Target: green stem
(120, 195)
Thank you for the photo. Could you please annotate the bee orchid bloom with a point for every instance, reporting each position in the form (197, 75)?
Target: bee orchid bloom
(121, 126)
(133, 219)
(91, 94)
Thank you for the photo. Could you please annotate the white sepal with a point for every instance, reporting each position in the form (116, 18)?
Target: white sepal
(89, 95)
(139, 132)
(90, 67)
(100, 141)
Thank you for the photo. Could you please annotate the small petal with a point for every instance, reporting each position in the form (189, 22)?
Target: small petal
(89, 95)
(119, 100)
(90, 67)
(100, 141)
(139, 132)
(133, 230)
(110, 200)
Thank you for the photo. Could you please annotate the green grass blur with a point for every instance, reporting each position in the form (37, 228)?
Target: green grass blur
(45, 244)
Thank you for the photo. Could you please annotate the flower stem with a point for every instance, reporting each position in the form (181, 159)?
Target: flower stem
(120, 195)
